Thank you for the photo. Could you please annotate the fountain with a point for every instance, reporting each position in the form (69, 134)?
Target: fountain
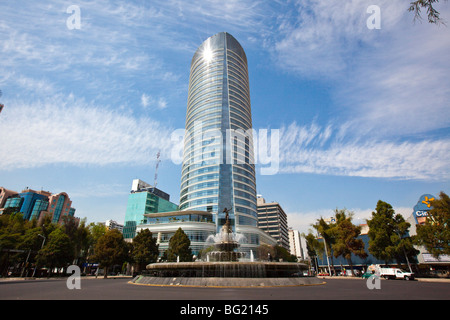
(225, 244)
(224, 266)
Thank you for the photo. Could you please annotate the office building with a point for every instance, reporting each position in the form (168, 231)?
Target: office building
(297, 245)
(60, 205)
(144, 199)
(218, 170)
(38, 204)
(273, 220)
(197, 225)
(5, 194)
(111, 224)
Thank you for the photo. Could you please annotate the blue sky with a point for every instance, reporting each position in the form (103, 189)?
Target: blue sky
(363, 114)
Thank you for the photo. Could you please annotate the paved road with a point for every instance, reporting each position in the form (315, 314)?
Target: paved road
(268, 303)
(120, 289)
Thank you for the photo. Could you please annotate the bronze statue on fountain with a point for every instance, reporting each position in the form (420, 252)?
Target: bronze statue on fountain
(226, 245)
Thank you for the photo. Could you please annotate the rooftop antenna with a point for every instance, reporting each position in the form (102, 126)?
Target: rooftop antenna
(1, 105)
(156, 170)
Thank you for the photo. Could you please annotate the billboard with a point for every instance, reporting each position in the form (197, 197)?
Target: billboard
(422, 207)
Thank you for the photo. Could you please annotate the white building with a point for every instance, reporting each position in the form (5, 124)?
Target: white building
(297, 245)
(111, 224)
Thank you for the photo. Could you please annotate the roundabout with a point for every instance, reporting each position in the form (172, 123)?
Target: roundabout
(224, 268)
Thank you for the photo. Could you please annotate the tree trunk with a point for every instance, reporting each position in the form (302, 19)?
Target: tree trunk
(351, 266)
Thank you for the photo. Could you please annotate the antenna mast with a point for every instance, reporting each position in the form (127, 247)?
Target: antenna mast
(156, 169)
(1, 105)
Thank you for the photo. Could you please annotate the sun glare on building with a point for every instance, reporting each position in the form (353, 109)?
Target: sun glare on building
(207, 54)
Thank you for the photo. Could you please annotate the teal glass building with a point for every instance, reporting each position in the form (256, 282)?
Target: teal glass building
(144, 199)
(218, 168)
(36, 204)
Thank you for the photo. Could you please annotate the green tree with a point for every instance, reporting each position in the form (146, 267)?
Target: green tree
(82, 239)
(346, 238)
(283, 253)
(110, 249)
(434, 235)
(326, 231)
(432, 14)
(264, 251)
(144, 249)
(31, 243)
(27, 236)
(314, 248)
(57, 251)
(12, 230)
(179, 246)
(96, 230)
(388, 234)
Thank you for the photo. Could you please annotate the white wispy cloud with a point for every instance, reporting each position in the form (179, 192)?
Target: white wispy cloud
(390, 90)
(145, 100)
(312, 149)
(66, 130)
(317, 38)
(391, 81)
(149, 101)
(99, 190)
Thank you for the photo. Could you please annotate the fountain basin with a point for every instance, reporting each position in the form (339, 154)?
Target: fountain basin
(212, 282)
(225, 270)
(232, 269)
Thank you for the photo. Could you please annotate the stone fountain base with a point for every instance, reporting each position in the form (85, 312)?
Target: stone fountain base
(228, 269)
(226, 274)
(226, 282)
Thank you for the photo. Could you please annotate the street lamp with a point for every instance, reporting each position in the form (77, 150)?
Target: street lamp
(43, 241)
(326, 253)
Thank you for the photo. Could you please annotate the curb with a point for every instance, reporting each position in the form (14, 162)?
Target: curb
(441, 280)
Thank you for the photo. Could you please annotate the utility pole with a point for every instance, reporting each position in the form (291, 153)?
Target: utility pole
(1, 105)
(156, 170)
(326, 253)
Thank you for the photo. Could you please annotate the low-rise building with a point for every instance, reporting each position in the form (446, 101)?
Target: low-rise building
(38, 204)
(197, 225)
(273, 220)
(144, 199)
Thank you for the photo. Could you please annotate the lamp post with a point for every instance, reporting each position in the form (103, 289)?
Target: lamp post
(43, 241)
(25, 264)
(326, 253)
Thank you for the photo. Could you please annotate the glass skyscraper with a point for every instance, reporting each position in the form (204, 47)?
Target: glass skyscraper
(144, 199)
(218, 169)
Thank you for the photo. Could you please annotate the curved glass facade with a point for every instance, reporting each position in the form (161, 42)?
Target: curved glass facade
(218, 168)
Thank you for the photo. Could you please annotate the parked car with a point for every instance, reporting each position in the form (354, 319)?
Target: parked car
(367, 275)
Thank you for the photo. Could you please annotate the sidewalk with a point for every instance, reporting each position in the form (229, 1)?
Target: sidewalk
(443, 280)
(5, 279)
